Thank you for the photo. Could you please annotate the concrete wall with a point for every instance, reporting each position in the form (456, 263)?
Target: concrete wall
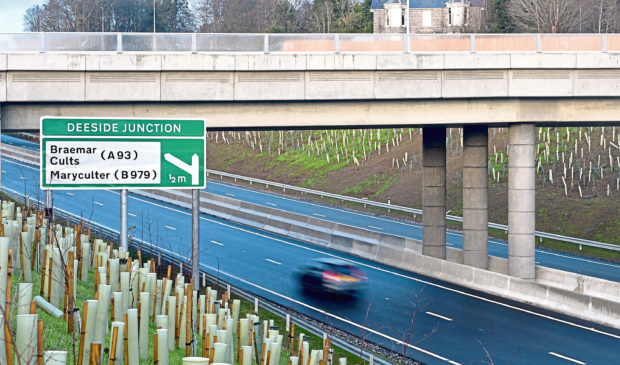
(326, 114)
(575, 295)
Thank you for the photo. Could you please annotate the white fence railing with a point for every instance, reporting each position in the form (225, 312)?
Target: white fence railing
(306, 43)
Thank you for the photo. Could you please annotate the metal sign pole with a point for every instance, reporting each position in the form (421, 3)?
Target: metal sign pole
(123, 235)
(195, 236)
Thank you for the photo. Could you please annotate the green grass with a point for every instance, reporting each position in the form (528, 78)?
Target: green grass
(57, 338)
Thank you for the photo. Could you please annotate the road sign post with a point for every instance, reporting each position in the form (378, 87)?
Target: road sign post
(126, 153)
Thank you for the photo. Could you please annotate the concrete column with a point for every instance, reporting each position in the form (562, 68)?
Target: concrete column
(475, 196)
(521, 200)
(434, 192)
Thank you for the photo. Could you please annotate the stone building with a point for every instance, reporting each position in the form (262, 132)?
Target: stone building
(428, 16)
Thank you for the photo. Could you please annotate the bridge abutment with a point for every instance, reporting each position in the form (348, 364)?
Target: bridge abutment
(434, 192)
(521, 200)
(475, 196)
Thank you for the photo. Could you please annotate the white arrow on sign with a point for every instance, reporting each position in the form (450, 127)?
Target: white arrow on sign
(192, 169)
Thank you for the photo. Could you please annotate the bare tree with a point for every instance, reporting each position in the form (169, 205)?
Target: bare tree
(545, 16)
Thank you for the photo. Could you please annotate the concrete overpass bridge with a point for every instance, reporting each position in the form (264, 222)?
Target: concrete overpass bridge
(235, 81)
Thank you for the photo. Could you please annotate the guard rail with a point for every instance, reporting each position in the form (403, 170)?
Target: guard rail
(553, 236)
(175, 258)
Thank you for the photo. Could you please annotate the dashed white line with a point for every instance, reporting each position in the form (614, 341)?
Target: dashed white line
(70, 194)
(131, 214)
(172, 228)
(23, 178)
(439, 316)
(379, 228)
(229, 194)
(273, 262)
(272, 204)
(318, 215)
(217, 243)
(101, 204)
(4, 172)
(567, 358)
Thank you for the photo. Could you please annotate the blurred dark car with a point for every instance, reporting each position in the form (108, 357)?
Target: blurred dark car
(331, 275)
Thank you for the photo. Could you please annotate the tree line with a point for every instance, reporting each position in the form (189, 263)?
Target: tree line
(217, 16)
(301, 16)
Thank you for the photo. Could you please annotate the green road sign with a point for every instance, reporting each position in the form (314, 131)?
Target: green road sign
(93, 153)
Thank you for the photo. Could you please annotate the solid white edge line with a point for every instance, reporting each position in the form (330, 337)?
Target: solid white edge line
(408, 224)
(217, 243)
(368, 266)
(273, 262)
(398, 274)
(322, 311)
(387, 220)
(439, 316)
(567, 358)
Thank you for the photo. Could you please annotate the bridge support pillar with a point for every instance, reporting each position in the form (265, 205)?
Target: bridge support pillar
(434, 192)
(475, 196)
(521, 200)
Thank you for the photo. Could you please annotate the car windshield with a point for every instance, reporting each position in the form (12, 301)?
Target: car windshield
(341, 269)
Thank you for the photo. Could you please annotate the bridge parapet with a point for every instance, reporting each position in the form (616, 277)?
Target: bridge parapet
(306, 43)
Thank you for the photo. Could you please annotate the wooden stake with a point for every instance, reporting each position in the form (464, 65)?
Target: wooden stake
(39, 341)
(83, 334)
(113, 347)
(292, 336)
(33, 307)
(169, 271)
(95, 354)
(112, 309)
(8, 286)
(188, 324)
(125, 340)
(8, 338)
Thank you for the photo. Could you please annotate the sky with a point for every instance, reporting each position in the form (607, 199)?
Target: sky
(12, 14)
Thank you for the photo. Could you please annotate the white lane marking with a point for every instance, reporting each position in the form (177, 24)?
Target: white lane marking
(70, 194)
(379, 228)
(23, 178)
(370, 216)
(3, 171)
(320, 310)
(273, 262)
(318, 215)
(217, 243)
(395, 221)
(567, 358)
(101, 204)
(271, 204)
(172, 228)
(439, 316)
(350, 260)
(449, 243)
(388, 272)
(131, 214)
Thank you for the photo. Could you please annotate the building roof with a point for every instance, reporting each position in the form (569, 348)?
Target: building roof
(422, 4)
